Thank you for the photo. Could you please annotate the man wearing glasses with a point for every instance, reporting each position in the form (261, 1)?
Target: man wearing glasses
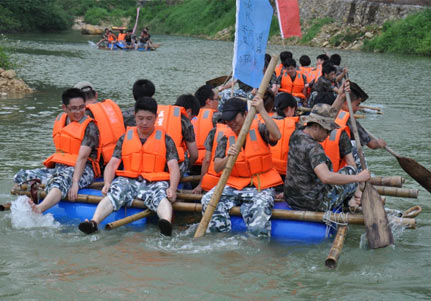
(74, 164)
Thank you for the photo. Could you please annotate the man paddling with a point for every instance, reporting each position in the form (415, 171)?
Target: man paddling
(146, 153)
(74, 164)
(250, 184)
(310, 183)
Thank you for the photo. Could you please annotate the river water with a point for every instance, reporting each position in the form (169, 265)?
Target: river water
(44, 259)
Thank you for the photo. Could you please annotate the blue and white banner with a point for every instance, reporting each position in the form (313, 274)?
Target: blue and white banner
(253, 20)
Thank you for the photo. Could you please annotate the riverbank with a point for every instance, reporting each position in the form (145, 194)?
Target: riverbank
(10, 83)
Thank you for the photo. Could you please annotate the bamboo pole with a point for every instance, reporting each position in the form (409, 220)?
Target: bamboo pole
(394, 181)
(310, 216)
(379, 110)
(337, 246)
(200, 231)
(400, 192)
(128, 219)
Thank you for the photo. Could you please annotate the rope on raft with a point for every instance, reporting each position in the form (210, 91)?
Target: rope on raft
(341, 219)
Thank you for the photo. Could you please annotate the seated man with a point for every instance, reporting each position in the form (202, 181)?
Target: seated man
(141, 88)
(326, 83)
(250, 184)
(147, 153)
(109, 120)
(74, 164)
(293, 82)
(310, 183)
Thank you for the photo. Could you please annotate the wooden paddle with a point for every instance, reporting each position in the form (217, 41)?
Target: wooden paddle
(215, 82)
(379, 234)
(411, 167)
(231, 160)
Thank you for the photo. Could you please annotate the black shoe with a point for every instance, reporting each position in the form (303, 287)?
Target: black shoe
(88, 227)
(165, 227)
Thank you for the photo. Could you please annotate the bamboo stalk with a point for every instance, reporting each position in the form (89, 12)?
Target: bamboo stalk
(311, 216)
(394, 181)
(337, 246)
(128, 219)
(306, 109)
(200, 231)
(400, 192)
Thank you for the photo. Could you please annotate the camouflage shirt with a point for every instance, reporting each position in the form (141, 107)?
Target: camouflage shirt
(187, 129)
(302, 188)
(323, 85)
(363, 135)
(171, 150)
(91, 138)
(129, 117)
(222, 143)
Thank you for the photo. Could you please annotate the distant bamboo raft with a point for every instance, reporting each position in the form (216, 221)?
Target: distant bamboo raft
(310, 216)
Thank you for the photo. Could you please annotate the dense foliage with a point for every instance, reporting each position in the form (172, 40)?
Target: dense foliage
(33, 15)
(5, 62)
(411, 35)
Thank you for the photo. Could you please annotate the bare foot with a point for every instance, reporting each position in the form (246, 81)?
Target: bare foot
(279, 196)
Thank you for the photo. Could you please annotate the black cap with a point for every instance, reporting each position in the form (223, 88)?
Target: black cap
(358, 91)
(232, 107)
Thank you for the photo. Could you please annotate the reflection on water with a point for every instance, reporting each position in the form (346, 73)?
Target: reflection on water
(54, 262)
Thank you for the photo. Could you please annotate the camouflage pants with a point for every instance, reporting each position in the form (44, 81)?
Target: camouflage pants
(339, 193)
(59, 177)
(256, 209)
(124, 190)
(356, 157)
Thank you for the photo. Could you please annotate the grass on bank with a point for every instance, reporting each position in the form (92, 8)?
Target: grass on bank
(411, 35)
(5, 62)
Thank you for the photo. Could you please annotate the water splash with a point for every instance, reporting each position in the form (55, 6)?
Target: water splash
(22, 217)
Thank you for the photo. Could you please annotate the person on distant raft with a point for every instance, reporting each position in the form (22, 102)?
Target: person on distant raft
(141, 88)
(310, 183)
(74, 164)
(104, 37)
(145, 40)
(250, 184)
(150, 171)
(112, 39)
(130, 39)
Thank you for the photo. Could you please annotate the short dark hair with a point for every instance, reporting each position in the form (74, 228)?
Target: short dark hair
(143, 87)
(285, 55)
(267, 60)
(72, 93)
(328, 68)
(289, 62)
(146, 103)
(284, 100)
(268, 100)
(335, 59)
(305, 60)
(323, 57)
(89, 94)
(188, 101)
(203, 93)
(325, 97)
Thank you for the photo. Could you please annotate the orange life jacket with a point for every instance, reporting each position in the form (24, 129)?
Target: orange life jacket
(109, 120)
(202, 125)
(281, 149)
(278, 70)
(316, 72)
(147, 160)
(296, 88)
(121, 36)
(331, 145)
(111, 37)
(259, 117)
(67, 141)
(210, 179)
(254, 163)
(169, 119)
(307, 71)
